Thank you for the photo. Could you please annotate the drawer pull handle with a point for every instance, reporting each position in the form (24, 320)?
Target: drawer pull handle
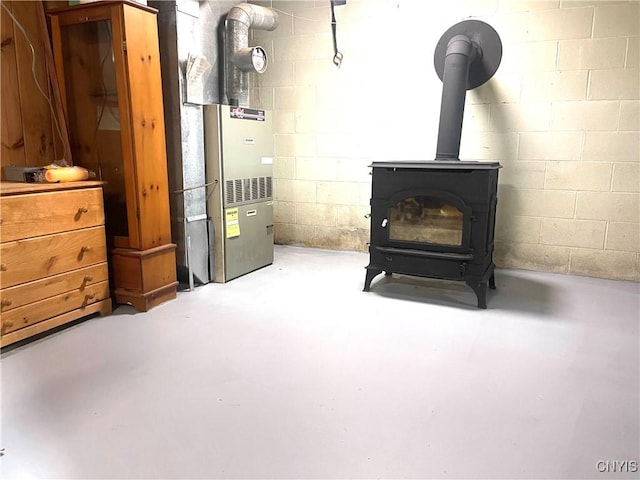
(6, 302)
(88, 278)
(85, 249)
(91, 296)
(83, 210)
(3, 267)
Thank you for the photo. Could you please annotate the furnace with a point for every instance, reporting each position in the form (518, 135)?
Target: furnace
(239, 149)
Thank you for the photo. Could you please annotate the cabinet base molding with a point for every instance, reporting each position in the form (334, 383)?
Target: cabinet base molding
(145, 278)
(146, 301)
(103, 307)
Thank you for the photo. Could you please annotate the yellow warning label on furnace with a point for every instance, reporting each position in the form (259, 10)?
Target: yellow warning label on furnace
(231, 221)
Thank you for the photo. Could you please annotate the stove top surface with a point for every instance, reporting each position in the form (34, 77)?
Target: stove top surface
(438, 164)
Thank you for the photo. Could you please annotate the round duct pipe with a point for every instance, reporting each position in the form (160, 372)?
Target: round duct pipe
(467, 55)
(251, 59)
(240, 58)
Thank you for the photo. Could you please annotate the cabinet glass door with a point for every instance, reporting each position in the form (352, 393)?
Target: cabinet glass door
(93, 113)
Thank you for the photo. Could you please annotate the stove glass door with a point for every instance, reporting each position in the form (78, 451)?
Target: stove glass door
(426, 219)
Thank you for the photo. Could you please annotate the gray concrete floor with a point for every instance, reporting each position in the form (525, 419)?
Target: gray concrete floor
(294, 372)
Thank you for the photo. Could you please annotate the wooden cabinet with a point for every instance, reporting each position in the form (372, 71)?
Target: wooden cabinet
(108, 66)
(53, 256)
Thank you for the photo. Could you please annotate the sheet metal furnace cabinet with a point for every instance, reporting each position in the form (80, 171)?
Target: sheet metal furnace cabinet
(239, 147)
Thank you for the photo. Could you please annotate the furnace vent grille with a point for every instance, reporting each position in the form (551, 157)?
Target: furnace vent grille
(254, 189)
(237, 197)
(247, 190)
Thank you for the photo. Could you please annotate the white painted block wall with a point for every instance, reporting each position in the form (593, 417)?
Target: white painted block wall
(561, 115)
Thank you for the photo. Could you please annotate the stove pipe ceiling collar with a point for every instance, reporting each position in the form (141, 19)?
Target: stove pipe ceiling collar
(240, 58)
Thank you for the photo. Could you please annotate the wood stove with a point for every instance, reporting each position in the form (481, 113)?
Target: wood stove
(436, 218)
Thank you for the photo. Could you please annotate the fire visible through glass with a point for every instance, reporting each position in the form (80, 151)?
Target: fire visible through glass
(426, 219)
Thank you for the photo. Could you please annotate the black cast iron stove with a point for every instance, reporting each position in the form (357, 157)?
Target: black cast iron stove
(436, 218)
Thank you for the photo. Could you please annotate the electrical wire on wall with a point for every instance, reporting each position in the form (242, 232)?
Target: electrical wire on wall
(296, 16)
(62, 162)
(337, 54)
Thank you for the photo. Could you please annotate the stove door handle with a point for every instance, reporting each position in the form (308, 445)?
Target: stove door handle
(384, 223)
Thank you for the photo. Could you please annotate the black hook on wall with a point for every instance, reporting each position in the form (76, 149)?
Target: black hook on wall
(337, 55)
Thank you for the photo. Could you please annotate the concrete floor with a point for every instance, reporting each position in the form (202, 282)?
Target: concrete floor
(294, 372)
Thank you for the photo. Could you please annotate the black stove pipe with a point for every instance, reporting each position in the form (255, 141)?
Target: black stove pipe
(461, 52)
(467, 55)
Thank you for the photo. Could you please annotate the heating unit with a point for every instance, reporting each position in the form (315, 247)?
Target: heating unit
(239, 150)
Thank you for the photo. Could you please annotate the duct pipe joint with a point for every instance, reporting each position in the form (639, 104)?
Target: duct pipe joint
(254, 16)
(462, 45)
(250, 59)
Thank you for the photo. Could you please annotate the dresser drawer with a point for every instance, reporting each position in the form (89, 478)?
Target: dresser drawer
(36, 312)
(39, 257)
(34, 214)
(14, 297)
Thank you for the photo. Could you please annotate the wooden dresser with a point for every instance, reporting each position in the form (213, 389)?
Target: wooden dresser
(53, 256)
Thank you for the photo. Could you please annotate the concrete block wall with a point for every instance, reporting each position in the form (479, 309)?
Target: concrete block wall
(561, 115)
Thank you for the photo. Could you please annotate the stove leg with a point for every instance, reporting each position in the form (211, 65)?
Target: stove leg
(480, 290)
(492, 282)
(371, 274)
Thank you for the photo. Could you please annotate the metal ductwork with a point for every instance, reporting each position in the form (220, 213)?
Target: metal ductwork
(240, 58)
(467, 55)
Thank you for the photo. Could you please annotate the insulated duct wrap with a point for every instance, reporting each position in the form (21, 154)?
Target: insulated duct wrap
(240, 19)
